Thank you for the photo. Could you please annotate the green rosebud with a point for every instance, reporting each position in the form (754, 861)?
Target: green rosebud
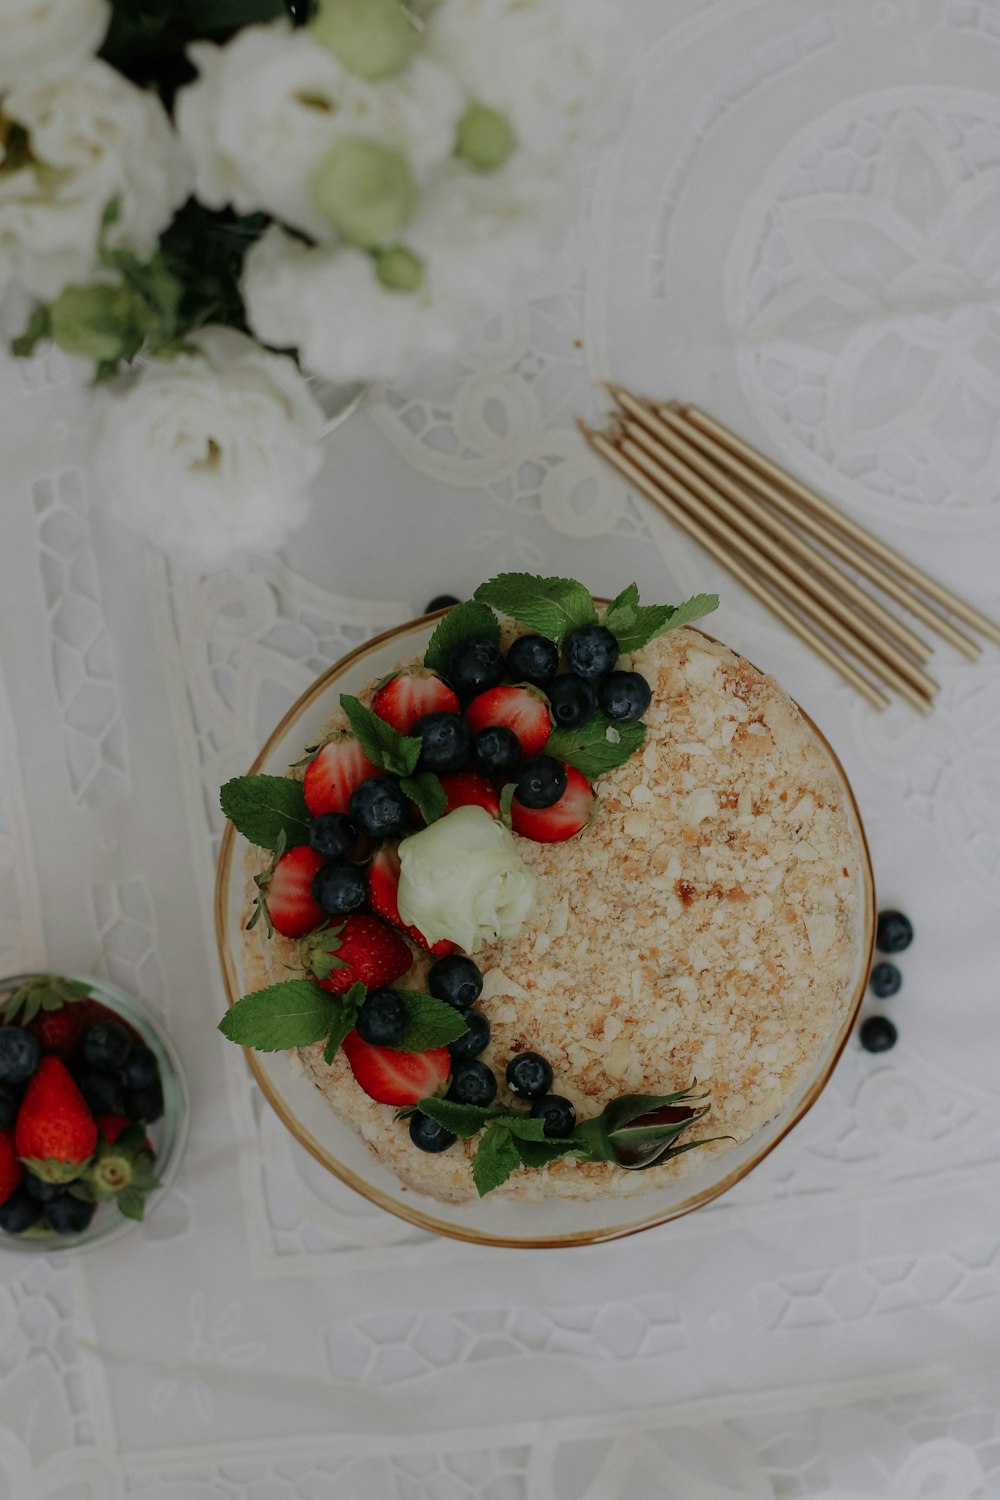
(97, 322)
(373, 38)
(641, 1130)
(484, 138)
(400, 270)
(365, 191)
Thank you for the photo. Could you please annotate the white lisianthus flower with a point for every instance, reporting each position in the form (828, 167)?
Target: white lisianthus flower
(462, 878)
(267, 107)
(209, 455)
(93, 137)
(41, 36)
(557, 71)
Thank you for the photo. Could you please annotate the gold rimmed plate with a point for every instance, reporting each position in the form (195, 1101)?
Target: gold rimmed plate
(494, 1220)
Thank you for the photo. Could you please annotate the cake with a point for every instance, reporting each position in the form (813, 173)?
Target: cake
(693, 945)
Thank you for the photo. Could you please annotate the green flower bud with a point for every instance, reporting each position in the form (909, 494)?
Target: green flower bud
(371, 37)
(96, 322)
(484, 138)
(365, 191)
(400, 270)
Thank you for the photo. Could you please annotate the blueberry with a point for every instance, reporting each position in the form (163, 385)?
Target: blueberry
(45, 1192)
(474, 1040)
(383, 1019)
(455, 980)
(877, 1034)
(572, 700)
(624, 696)
(445, 742)
(140, 1068)
(106, 1045)
(19, 1212)
(20, 1052)
(9, 1103)
(333, 835)
(540, 782)
(427, 1135)
(885, 980)
(101, 1089)
(472, 1082)
(534, 659)
(591, 651)
(145, 1104)
(474, 666)
(69, 1215)
(529, 1075)
(497, 750)
(379, 808)
(894, 932)
(557, 1112)
(440, 601)
(340, 888)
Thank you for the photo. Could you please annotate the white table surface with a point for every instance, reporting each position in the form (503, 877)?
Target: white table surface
(800, 229)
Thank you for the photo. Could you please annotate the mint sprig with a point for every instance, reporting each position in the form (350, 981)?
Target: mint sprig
(596, 746)
(294, 1013)
(634, 625)
(426, 791)
(384, 746)
(551, 606)
(496, 1158)
(344, 1016)
(465, 622)
(263, 808)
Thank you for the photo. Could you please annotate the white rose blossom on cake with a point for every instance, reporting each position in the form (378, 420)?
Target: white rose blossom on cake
(42, 36)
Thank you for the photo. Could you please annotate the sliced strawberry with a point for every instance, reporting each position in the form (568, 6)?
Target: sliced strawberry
(394, 1077)
(470, 789)
(525, 710)
(410, 694)
(286, 899)
(549, 825)
(359, 950)
(11, 1170)
(334, 771)
(383, 884)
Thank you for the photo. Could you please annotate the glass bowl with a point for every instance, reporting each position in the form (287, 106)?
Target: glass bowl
(487, 1221)
(167, 1134)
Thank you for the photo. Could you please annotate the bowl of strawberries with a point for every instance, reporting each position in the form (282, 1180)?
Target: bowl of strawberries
(93, 1112)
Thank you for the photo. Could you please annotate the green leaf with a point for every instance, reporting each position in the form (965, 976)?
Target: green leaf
(292, 1014)
(433, 1023)
(384, 746)
(426, 791)
(506, 798)
(132, 1202)
(597, 745)
(551, 606)
(465, 622)
(38, 328)
(460, 1119)
(542, 1153)
(496, 1158)
(346, 1013)
(263, 808)
(633, 624)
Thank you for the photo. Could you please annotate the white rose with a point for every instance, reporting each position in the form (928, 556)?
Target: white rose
(557, 69)
(462, 878)
(94, 137)
(209, 455)
(39, 36)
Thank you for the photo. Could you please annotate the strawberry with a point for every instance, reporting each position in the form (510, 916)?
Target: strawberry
(383, 883)
(470, 789)
(285, 895)
(358, 950)
(406, 697)
(394, 1077)
(11, 1170)
(523, 709)
(60, 1032)
(111, 1127)
(549, 825)
(338, 766)
(55, 1133)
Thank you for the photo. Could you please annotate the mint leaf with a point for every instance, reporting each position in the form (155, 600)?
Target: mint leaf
(291, 1014)
(464, 623)
(496, 1158)
(634, 625)
(551, 606)
(263, 808)
(426, 791)
(432, 1023)
(541, 1153)
(460, 1119)
(596, 746)
(384, 746)
(345, 1013)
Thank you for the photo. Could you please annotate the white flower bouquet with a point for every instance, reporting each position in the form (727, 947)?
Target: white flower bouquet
(257, 191)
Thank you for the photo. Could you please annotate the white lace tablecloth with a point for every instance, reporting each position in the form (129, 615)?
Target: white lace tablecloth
(800, 230)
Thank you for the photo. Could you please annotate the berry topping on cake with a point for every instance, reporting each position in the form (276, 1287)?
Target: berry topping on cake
(359, 950)
(522, 709)
(410, 695)
(472, 1082)
(540, 782)
(445, 742)
(383, 1018)
(393, 1077)
(427, 1135)
(340, 888)
(475, 1039)
(285, 897)
(533, 658)
(380, 807)
(383, 886)
(338, 767)
(470, 789)
(528, 1075)
(474, 666)
(333, 835)
(591, 651)
(497, 751)
(456, 980)
(558, 1113)
(624, 696)
(562, 819)
(572, 700)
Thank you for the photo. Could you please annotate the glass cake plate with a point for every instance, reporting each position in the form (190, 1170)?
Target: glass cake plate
(493, 1220)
